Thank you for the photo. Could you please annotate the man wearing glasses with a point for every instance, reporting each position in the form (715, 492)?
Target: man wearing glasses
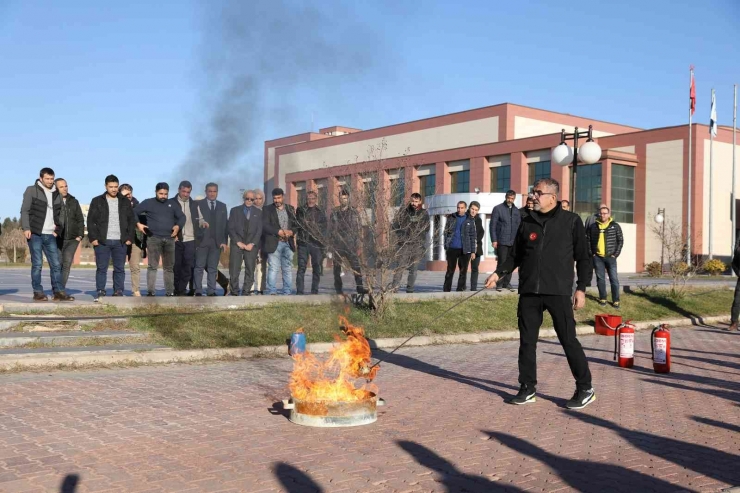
(245, 232)
(547, 244)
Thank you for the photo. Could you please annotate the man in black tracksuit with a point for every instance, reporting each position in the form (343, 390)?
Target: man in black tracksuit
(345, 231)
(311, 228)
(547, 243)
(410, 226)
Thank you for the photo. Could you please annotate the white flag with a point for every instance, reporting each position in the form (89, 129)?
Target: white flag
(713, 117)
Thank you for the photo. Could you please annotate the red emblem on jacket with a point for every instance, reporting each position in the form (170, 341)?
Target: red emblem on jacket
(532, 236)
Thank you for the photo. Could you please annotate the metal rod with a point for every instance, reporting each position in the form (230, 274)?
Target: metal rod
(734, 174)
(422, 329)
(690, 211)
(711, 196)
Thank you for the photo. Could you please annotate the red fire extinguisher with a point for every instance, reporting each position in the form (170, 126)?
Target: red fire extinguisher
(624, 345)
(660, 345)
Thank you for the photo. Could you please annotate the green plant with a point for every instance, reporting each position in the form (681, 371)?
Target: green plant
(654, 269)
(715, 267)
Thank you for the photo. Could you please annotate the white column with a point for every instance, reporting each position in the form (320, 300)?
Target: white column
(430, 239)
(485, 247)
(487, 238)
(442, 225)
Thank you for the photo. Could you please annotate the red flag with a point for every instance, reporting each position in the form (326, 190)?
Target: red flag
(692, 93)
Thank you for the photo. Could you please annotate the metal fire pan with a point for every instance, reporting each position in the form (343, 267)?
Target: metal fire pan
(332, 414)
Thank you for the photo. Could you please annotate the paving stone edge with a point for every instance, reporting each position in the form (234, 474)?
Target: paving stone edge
(168, 355)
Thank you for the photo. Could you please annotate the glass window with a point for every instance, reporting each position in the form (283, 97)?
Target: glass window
(301, 193)
(370, 188)
(427, 185)
(398, 190)
(460, 181)
(500, 179)
(538, 171)
(623, 193)
(588, 189)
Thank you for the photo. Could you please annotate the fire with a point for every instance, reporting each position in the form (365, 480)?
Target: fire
(314, 380)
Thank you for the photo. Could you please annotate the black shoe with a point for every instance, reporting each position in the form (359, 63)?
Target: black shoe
(261, 292)
(212, 294)
(118, 293)
(190, 293)
(499, 289)
(233, 293)
(198, 294)
(62, 296)
(581, 399)
(616, 305)
(40, 297)
(170, 295)
(409, 291)
(602, 302)
(99, 294)
(150, 293)
(526, 395)
(299, 293)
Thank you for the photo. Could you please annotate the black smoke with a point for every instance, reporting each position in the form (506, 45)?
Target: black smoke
(257, 60)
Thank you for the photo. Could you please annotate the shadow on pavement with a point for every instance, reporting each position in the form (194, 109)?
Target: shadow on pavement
(294, 480)
(583, 475)
(505, 391)
(453, 480)
(715, 423)
(730, 395)
(69, 485)
(667, 303)
(715, 464)
(4, 292)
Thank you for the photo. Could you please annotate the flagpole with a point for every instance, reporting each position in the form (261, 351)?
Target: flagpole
(734, 149)
(711, 196)
(688, 215)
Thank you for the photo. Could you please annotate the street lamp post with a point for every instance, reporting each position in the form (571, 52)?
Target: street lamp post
(660, 219)
(563, 155)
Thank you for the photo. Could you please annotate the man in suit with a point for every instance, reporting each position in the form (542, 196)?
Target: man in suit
(187, 238)
(245, 233)
(212, 236)
(278, 227)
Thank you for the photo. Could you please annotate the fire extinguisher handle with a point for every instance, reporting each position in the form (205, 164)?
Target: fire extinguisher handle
(616, 339)
(652, 342)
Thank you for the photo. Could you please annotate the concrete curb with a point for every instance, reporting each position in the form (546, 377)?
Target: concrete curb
(16, 362)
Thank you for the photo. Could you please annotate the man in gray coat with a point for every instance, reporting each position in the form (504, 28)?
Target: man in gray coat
(245, 233)
(505, 220)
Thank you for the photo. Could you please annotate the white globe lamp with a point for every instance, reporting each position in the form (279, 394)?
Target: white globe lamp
(562, 155)
(659, 218)
(589, 153)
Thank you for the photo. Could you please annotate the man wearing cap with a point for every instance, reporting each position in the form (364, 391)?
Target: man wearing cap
(164, 220)
(278, 232)
(505, 220)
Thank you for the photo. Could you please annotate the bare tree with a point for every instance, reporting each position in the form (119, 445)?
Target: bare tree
(372, 235)
(14, 244)
(674, 244)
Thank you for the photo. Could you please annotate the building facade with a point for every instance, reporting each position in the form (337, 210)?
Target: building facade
(492, 149)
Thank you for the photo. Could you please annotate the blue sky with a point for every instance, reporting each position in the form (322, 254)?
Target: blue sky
(131, 88)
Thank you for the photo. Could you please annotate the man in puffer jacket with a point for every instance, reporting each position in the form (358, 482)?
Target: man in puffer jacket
(605, 243)
(460, 242)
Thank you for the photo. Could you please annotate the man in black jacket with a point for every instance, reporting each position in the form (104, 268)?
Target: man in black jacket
(187, 238)
(345, 231)
(110, 229)
(40, 221)
(278, 234)
(163, 223)
(735, 311)
(547, 244)
(410, 226)
(505, 220)
(605, 243)
(311, 227)
(245, 233)
(73, 228)
(213, 234)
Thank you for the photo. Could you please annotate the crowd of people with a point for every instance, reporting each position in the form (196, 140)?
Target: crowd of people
(186, 238)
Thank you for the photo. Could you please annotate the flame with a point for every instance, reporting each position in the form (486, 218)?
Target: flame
(314, 380)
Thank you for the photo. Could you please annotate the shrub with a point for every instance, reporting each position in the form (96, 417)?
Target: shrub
(654, 269)
(715, 267)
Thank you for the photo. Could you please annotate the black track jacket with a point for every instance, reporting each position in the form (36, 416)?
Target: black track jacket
(544, 250)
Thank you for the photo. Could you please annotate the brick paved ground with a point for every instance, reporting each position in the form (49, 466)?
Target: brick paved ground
(207, 428)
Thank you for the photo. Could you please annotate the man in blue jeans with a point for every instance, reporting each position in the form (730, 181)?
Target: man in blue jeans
(110, 229)
(278, 227)
(605, 243)
(41, 223)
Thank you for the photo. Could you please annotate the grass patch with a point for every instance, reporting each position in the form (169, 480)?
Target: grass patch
(273, 324)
